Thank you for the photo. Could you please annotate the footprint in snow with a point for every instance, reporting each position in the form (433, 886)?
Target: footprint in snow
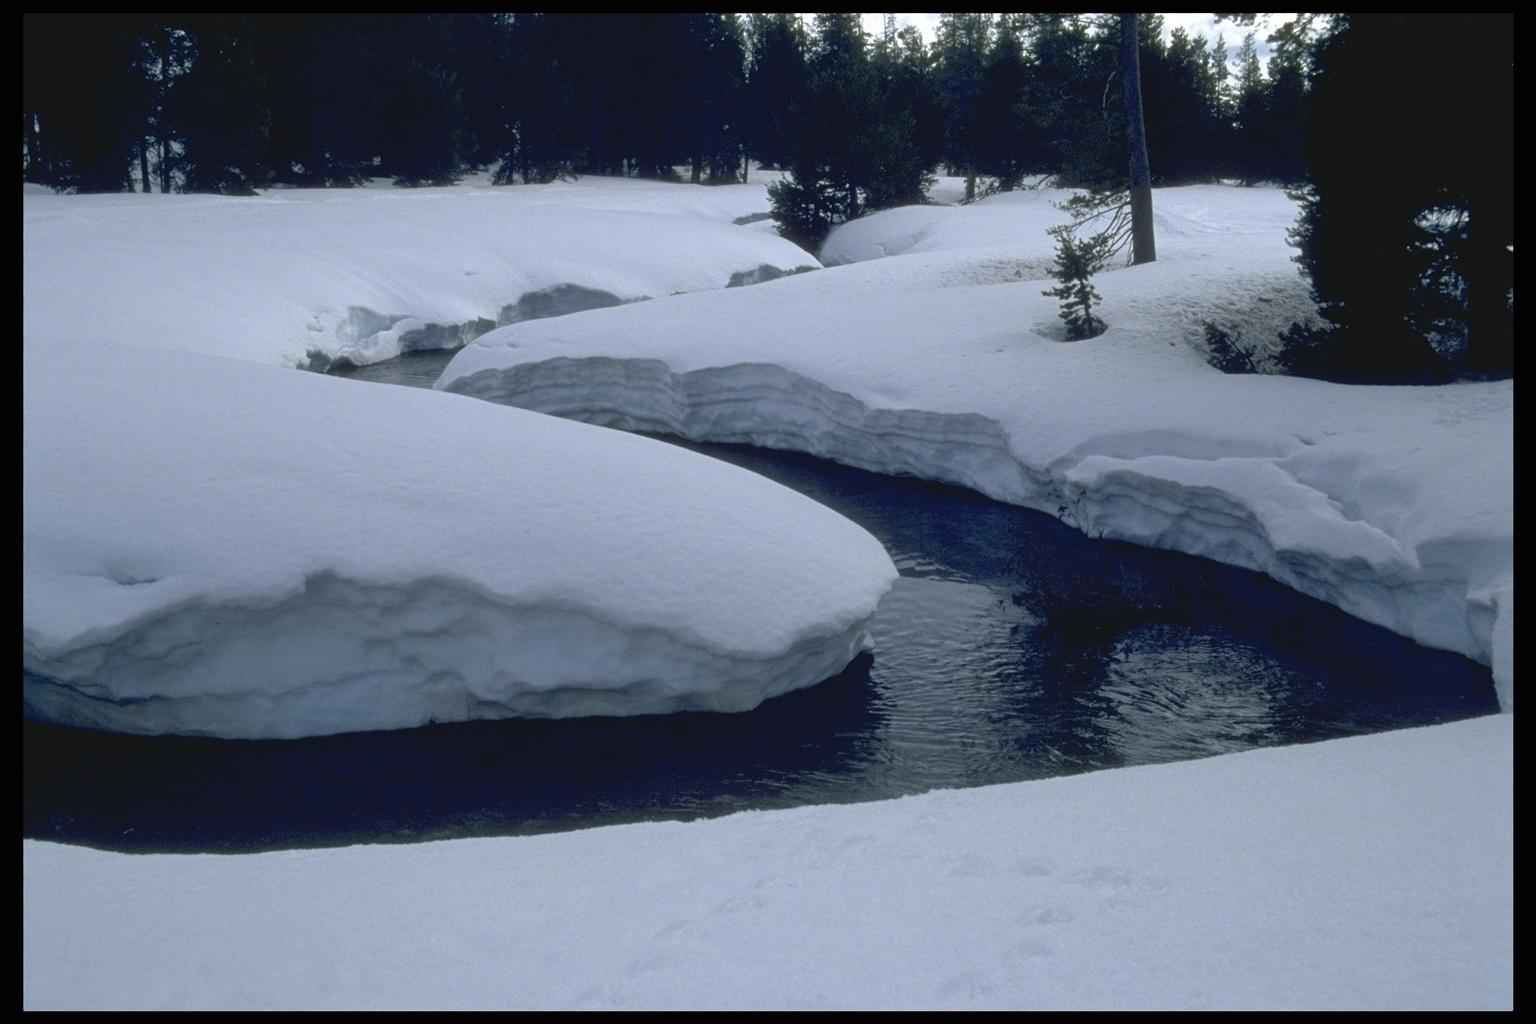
(1029, 949)
(1044, 914)
(1034, 867)
(965, 986)
(972, 865)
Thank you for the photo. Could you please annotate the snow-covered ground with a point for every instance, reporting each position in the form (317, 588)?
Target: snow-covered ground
(220, 548)
(333, 527)
(362, 274)
(1395, 504)
(1367, 873)
(1222, 248)
(949, 189)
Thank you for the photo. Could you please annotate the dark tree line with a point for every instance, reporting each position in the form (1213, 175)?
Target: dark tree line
(1395, 129)
(230, 103)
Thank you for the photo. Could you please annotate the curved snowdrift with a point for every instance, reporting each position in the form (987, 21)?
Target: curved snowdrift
(1188, 220)
(313, 276)
(276, 554)
(1394, 504)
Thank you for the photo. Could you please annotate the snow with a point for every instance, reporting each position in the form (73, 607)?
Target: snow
(360, 274)
(1366, 873)
(222, 548)
(1392, 503)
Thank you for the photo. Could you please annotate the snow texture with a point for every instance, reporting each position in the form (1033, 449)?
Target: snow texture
(307, 532)
(353, 276)
(1374, 872)
(1392, 503)
(221, 548)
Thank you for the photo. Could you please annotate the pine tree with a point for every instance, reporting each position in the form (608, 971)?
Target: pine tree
(716, 68)
(1077, 260)
(775, 93)
(423, 102)
(1007, 140)
(902, 138)
(1183, 126)
(823, 188)
(326, 76)
(481, 48)
(1286, 101)
(961, 46)
(1252, 114)
(85, 100)
(1070, 96)
(1412, 265)
(222, 109)
(166, 56)
(548, 106)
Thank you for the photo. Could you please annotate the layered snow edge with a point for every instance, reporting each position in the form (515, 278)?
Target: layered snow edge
(379, 558)
(1245, 510)
(348, 277)
(360, 657)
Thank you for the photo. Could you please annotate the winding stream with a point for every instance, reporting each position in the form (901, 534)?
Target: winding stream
(1011, 648)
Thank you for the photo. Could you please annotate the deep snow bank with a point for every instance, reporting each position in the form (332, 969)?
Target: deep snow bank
(1374, 872)
(277, 554)
(1229, 241)
(1395, 504)
(308, 276)
(1190, 221)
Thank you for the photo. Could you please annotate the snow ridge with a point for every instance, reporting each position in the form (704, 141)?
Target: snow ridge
(380, 557)
(365, 336)
(346, 656)
(277, 279)
(1245, 509)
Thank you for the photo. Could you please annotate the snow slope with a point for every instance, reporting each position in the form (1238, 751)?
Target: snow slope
(215, 547)
(1183, 217)
(1367, 873)
(1394, 504)
(363, 274)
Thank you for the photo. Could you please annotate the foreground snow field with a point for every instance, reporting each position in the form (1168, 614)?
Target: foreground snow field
(1373, 872)
(363, 274)
(1394, 504)
(227, 549)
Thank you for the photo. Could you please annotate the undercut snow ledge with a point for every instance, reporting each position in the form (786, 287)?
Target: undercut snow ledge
(1346, 521)
(272, 554)
(312, 277)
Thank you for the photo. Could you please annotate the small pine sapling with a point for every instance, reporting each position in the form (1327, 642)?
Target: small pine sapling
(1077, 260)
(1226, 351)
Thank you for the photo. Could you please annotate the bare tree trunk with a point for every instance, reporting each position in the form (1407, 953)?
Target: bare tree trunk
(144, 165)
(165, 163)
(1144, 245)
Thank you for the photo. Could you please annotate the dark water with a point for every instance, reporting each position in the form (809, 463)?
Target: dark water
(414, 369)
(1012, 648)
